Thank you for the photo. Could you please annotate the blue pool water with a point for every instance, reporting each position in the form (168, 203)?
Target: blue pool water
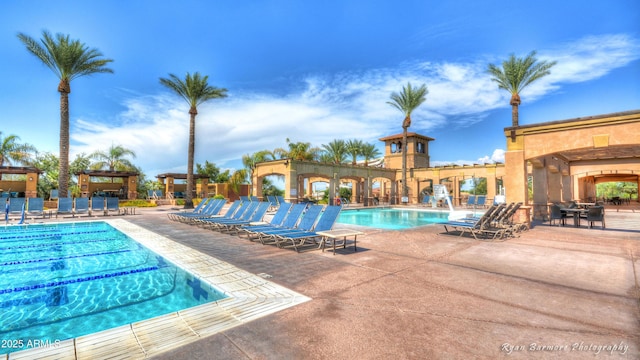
(392, 219)
(67, 280)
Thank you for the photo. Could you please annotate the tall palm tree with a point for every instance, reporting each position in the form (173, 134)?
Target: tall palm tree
(369, 151)
(195, 90)
(336, 151)
(68, 59)
(11, 151)
(354, 148)
(516, 74)
(407, 101)
(113, 159)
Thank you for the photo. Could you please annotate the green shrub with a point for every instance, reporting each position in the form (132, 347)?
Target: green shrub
(138, 203)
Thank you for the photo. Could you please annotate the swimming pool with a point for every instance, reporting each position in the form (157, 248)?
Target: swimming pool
(63, 281)
(391, 218)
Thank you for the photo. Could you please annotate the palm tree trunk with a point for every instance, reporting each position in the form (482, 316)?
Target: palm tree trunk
(188, 198)
(514, 115)
(405, 189)
(63, 175)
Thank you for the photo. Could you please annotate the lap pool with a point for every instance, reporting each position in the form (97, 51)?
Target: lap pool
(63, 281)
(391, 218)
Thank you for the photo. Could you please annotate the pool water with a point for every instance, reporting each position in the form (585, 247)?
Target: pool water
(62, 281)
(392, 219)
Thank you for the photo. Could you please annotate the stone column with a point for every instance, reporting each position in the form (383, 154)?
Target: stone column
(393, 192)
(31, 187)
(566, 185)
(491, 185)
(168, 187)
(291, 186)
(540, 191)
(367, 191)
(515, 183)
(83, 181)
(555, 185)
(333, 188)
(132, 187)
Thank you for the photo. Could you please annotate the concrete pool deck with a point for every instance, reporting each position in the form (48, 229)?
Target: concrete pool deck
(554, 292)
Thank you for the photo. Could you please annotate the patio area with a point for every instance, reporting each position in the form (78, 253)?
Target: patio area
(553, 292)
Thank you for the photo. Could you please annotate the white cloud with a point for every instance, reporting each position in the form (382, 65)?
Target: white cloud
(335, 106)
(496, 157)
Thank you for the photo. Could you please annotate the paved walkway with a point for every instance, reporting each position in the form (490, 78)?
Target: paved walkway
(554, 292)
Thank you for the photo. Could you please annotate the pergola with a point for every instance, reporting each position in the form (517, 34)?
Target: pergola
(170, 188)
(29, 186)
(126, 188)
(567, 158)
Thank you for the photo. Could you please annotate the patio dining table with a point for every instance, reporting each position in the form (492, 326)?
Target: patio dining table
(576, 212)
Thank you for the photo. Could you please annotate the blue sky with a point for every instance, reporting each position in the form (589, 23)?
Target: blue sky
(313, 71)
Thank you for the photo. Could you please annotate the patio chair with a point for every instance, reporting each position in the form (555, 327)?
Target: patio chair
(299, 237)
(81, 207)
(307, 222)
(273, 202)
(280, 199)
(474, 226)
(16, 205)
(244, 212)
(254, 198)
(53, 194)
(211, 209)
(197, 210)
(426, 200)
(557, 214)
(236, 207)
(256, 216)
(503, 224)
(480, 201)
(65, 206)
(471, 201)
(276, 221)
(113, 205)
(245, 199)
(288, 223)
(594, 214)
(97, 204)
(35, 207)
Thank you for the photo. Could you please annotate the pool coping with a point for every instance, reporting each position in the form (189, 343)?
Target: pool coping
(249, 297)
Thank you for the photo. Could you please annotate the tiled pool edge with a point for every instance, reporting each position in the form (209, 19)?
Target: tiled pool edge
(250, 297)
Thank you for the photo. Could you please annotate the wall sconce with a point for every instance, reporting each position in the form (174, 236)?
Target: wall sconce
(286, 163)
(30, 178)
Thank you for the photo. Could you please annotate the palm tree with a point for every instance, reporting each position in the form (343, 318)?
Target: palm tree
(250, 161)
(407, 101)
(238, 178)
(354, 148)
(68, 59)
(298, 151)
(195, 90)
(113, 159)
(12, 151)
(336, 151)
(516, 74)
(369, 151)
